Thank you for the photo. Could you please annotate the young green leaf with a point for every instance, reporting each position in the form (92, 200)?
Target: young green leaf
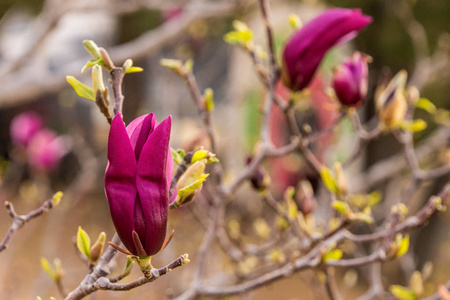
(414, 126)
(188, 65)
(173, 64)
(47, 268)
(374, 198)
(402, 293)
(328, 180)
(83, 242)
(342, 207)
(57, 198)
(335, 254)
(91, 63)
(185, 191)
(199, 155)
(176, 156)
(403, 246)
(427, 105)
(80, 88)
(134, 69)
(208, 95)
(294, 21)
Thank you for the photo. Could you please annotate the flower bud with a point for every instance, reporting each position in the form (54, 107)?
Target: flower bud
(97, 78)
(260, 179)
(92, 48)
(137, 181)
(306, 48)
(190, 183)
(350, 80)
(304, 197)
(391, 103)
(97, 249)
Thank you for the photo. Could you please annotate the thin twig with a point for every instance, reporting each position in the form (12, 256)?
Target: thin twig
(20, 220)
(330, 285)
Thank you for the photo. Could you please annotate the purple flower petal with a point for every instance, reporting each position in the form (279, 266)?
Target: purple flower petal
(141, 134)
(120, 181)
(151, 181)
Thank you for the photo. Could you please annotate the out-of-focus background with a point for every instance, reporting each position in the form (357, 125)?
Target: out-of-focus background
(41, 43)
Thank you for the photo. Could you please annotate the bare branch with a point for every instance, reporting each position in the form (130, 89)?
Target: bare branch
(20, 220)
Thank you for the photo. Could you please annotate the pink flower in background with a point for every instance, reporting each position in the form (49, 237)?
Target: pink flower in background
(46, 149)
(172, 13)
(350, 80)
(137, 182)
(24, 126)
(306, 48)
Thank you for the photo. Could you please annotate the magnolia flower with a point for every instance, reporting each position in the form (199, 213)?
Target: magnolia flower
(306, 48)
(24, 127)
(46, 149)
(350, 80)
(137, 182)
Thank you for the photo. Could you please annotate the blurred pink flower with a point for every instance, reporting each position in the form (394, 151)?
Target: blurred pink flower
(350, 80)
(306, 48)
(46, 149)
(24, 126)
(172, 13)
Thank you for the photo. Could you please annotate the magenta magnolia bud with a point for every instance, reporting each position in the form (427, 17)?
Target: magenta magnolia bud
(306, 48)
(24, 127)
(350, 80)
(137, 182)
(46, 149)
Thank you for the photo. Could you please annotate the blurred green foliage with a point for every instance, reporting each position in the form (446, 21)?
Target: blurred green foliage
(32, 6)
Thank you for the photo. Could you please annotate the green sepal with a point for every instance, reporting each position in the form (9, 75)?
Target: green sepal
(129, 265)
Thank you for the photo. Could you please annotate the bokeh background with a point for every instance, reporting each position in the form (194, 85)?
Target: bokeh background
(41, 43)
